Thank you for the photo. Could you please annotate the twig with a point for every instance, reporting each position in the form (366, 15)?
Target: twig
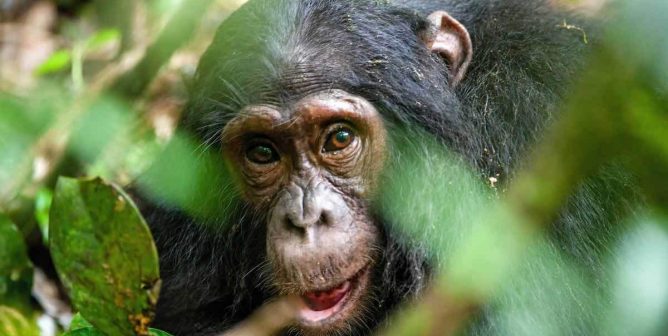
(268, 319)
(178, 31)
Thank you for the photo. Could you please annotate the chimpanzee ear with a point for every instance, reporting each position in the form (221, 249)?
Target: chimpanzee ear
(450, 40)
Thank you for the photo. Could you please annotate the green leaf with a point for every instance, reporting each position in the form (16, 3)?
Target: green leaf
(156, 332)
(102, 38)
(186, 176)
(14, 323)
(15, 268)
(58, 61)
(105, 255)
(22, 122)
(78, 322)
(42, 207)
(639, 280)
(103, 122)
(91, 331)
(80, 326)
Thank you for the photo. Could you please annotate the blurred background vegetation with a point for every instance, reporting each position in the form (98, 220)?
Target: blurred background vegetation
(96, 87)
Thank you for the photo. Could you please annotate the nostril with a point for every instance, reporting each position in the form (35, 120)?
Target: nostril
(301, 224)
(289, 224)
(297, 225)
(325, 219)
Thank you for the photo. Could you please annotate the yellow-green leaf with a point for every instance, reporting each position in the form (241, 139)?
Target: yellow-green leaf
(58, 61)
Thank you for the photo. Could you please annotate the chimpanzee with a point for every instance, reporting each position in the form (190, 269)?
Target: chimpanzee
(304, 101)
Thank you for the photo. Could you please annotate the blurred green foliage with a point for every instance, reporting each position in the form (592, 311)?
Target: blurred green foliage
(62, 59)
(493, 244)
(15, 323)
(43, 200)
(16, 275)
(617, 113)
(416, 160)
(58, 61)
(15, 268)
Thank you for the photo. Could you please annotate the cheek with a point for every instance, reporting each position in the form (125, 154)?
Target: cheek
(358, 174)
(363, 181)
(374, 149)
(260, 186)
(374, 160)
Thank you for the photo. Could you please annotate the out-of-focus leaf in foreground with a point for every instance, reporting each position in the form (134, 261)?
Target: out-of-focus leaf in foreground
(22, 123)
(430, 207)
(640, 280)
(105, 255)
(186, 176)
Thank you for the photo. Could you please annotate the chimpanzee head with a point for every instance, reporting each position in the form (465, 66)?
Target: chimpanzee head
(301, 98)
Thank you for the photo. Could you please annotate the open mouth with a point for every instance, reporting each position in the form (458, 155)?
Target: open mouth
(321, 306)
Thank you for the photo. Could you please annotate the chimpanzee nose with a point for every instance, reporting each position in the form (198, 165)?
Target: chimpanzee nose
(305, 209)
(306, 220)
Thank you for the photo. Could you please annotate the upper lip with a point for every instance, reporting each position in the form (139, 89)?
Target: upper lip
(338, 282)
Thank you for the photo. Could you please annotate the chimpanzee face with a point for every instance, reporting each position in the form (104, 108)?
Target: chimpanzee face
(311, 167)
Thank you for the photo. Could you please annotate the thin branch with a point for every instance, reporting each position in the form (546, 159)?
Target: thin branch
(178, 31)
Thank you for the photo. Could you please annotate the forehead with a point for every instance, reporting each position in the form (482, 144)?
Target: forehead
(278, 51)
(311, 111)
(274, 56)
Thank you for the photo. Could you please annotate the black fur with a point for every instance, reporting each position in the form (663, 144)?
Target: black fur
(277, 51)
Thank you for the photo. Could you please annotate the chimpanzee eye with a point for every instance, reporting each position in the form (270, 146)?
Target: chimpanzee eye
(262, 154)
(339, 139)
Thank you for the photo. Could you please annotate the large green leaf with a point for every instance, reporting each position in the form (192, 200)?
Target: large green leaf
(15, 268)
(91, 331)
(105, 255)
(81, 327)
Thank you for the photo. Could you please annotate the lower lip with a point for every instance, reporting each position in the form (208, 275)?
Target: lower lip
(311, 316)
(324, 300)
